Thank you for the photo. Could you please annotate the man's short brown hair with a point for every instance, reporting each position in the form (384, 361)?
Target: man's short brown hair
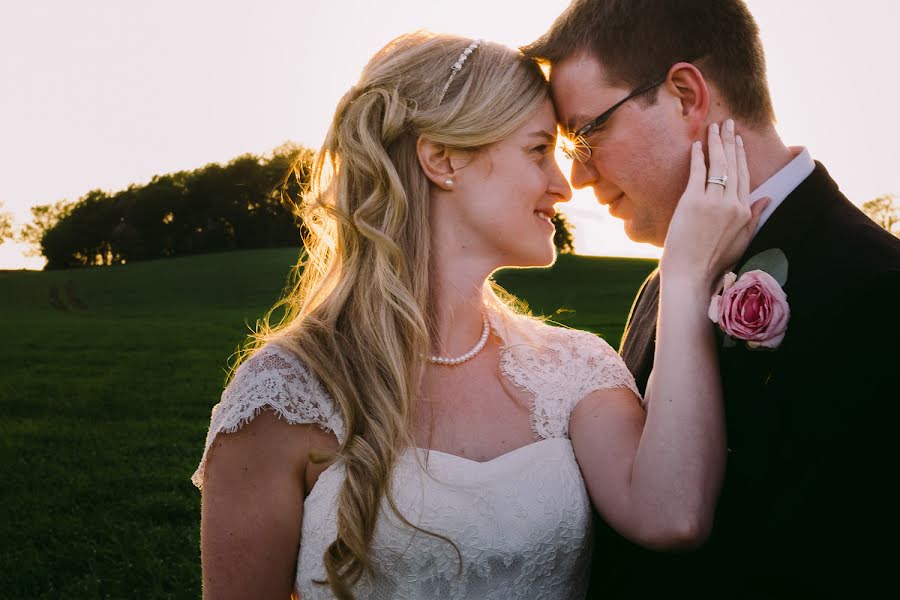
(636, 41)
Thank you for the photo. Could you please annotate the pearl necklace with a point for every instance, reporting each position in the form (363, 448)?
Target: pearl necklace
(479, 345)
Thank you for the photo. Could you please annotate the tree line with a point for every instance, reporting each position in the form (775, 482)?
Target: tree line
(236, 206)
(885, 211)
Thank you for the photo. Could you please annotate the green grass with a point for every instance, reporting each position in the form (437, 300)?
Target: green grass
(107, 382)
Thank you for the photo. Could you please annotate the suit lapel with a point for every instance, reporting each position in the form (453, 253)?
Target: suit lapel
(786, 228)
(639, 339)
(788, 225)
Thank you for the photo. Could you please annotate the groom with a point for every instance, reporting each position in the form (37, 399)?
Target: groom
(805, 510)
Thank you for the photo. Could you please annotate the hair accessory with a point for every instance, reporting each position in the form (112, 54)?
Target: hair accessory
(457, 66)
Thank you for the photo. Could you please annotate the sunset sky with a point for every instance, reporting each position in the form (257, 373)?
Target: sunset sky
(104, 93)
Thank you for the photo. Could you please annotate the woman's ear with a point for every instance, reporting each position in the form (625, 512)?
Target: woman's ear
(689, 87)
(435, 161)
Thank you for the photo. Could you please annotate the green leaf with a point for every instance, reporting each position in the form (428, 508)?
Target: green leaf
(728, 342)
(772, 261)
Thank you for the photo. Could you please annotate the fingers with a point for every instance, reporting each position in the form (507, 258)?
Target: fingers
(697, 178)
(743, 172)
(756, 211)
(718, 164)
(730, 148)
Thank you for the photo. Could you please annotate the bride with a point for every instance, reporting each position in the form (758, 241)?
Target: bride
(404, 431)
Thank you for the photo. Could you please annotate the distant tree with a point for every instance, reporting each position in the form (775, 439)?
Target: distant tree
(43, 218)
(239, 205)
(884, 210)
(156, 212)
(6, 225)
(127, 241)
(562, 239)
(83, 237)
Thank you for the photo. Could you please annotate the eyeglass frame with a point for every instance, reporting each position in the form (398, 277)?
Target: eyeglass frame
(579, 135)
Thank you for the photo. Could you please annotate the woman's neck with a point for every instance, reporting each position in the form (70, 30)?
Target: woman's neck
(459, 303)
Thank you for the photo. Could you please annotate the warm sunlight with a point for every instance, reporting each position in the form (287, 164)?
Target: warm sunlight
(105, 94)
(297, 300)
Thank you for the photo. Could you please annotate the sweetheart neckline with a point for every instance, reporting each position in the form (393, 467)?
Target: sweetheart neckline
(477, 465)
(428, 451)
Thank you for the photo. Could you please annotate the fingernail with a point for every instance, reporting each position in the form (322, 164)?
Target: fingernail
(729, 125)
(740, 141)
(714, 128)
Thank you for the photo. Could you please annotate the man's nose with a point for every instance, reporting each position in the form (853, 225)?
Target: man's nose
(582, 175)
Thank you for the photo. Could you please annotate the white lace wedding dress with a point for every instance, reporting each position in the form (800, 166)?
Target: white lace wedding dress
(521, 521)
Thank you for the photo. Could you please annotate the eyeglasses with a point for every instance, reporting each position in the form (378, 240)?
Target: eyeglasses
(576, 146)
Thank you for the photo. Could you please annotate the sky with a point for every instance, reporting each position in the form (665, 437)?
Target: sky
(105, 93)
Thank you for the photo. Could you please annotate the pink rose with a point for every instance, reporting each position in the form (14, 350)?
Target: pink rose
(754, 308)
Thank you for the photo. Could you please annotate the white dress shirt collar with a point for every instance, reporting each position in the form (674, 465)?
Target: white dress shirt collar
(781, 184)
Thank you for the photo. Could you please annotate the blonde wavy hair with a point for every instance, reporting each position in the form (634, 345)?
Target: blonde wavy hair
(360, 314)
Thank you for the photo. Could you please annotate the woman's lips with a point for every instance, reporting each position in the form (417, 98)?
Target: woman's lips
(544, 217)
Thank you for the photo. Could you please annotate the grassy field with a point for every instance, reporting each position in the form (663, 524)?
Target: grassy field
(107, 382)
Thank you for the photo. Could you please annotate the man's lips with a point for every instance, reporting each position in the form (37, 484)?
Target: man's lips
(613, 205)
(612, 201)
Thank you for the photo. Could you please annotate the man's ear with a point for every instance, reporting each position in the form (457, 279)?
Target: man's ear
(689, 87)
(434, 159)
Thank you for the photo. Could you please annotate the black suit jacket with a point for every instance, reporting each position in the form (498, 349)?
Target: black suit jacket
(805, 510)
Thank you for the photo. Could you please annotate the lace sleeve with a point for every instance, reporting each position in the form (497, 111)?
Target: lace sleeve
(274, 379)
(603, 368)
(559, 367)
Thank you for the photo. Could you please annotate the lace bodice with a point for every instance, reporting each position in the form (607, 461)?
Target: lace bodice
(520, 521)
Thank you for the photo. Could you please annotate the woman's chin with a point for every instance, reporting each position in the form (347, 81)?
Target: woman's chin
(549, 258)
(544, 257)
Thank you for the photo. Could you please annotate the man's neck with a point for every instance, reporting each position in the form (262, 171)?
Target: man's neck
(766, 154)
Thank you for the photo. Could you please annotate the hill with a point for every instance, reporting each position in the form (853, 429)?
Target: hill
(107, 381)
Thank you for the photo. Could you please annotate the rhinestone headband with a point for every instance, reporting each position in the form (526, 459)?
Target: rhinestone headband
(457, 66)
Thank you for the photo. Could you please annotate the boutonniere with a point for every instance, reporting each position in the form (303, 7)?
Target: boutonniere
(752, 306)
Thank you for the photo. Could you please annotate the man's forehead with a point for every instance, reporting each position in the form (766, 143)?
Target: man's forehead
(581, 68)
(580, 89)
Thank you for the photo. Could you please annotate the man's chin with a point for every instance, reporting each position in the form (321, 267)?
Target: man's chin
(641, 235)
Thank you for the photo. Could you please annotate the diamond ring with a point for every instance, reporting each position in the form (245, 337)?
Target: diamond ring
(717, 179)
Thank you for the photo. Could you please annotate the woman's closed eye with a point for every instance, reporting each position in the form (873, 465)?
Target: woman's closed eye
(542, 149)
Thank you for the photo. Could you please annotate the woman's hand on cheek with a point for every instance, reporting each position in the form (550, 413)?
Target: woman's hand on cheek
(713, 222)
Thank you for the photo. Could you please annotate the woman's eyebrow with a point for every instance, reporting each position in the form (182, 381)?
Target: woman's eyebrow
(543, 134)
